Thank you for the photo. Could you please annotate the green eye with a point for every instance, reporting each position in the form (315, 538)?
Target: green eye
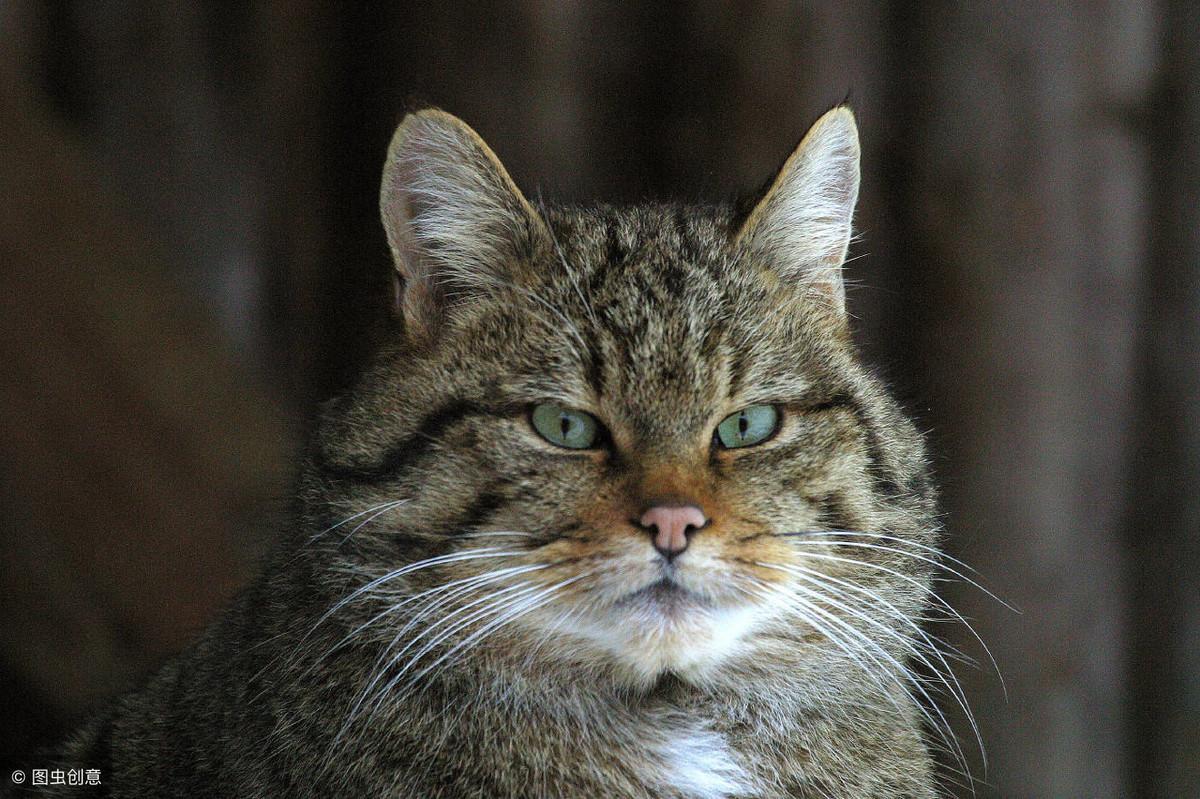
(565, 427)
(748, 426)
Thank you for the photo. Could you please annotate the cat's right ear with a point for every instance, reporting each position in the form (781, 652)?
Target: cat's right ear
(801, 227)
(455, 221)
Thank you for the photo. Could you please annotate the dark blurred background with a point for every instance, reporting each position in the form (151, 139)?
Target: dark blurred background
(192, 259)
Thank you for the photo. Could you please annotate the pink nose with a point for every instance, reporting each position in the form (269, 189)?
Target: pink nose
(670, 526)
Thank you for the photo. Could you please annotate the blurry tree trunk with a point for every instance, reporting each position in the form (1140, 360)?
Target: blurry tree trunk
(137, 452)
(133, 448)
(1164, 530)
(1027, 202)
(210, 126)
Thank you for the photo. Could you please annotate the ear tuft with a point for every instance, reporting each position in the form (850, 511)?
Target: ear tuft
(455, 221)
(802, 225)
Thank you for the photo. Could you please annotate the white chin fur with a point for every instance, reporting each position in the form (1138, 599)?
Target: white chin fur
(646, 642)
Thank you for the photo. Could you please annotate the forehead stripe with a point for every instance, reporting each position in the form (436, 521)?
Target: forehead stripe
(883, 477)
(409, 449)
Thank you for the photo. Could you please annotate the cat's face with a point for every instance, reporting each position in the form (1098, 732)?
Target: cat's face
(622, 437)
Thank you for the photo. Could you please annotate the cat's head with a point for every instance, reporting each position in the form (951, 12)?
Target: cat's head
(631, 438)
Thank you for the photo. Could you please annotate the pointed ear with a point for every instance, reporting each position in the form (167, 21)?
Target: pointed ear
(455, 221)
(802, 225)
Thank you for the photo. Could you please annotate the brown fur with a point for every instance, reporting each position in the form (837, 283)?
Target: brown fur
(659, 320)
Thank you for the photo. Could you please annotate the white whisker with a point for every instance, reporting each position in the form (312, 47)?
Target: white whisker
(526, 605)
(894, 538)
(955, 689)
(453, 557)
(800, 608)
(449, 590)
(915, 555)
(888, 665)
(496, 599)
(925, 590)
(371, 518)
(385, 506)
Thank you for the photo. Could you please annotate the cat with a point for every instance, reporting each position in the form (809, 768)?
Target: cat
(615, 512)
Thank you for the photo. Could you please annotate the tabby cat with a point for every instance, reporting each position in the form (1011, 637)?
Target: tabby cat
(616, 512)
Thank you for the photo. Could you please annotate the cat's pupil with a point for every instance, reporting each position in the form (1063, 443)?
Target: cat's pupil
(564, 422)
(743, 424)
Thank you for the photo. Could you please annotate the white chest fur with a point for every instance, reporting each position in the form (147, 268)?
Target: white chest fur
(699, 764)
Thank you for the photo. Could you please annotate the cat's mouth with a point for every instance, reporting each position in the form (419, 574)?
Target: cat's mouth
(666, 596)
(666, 622)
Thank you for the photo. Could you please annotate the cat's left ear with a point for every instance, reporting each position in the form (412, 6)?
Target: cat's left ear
(802, 225)
(456, 223)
